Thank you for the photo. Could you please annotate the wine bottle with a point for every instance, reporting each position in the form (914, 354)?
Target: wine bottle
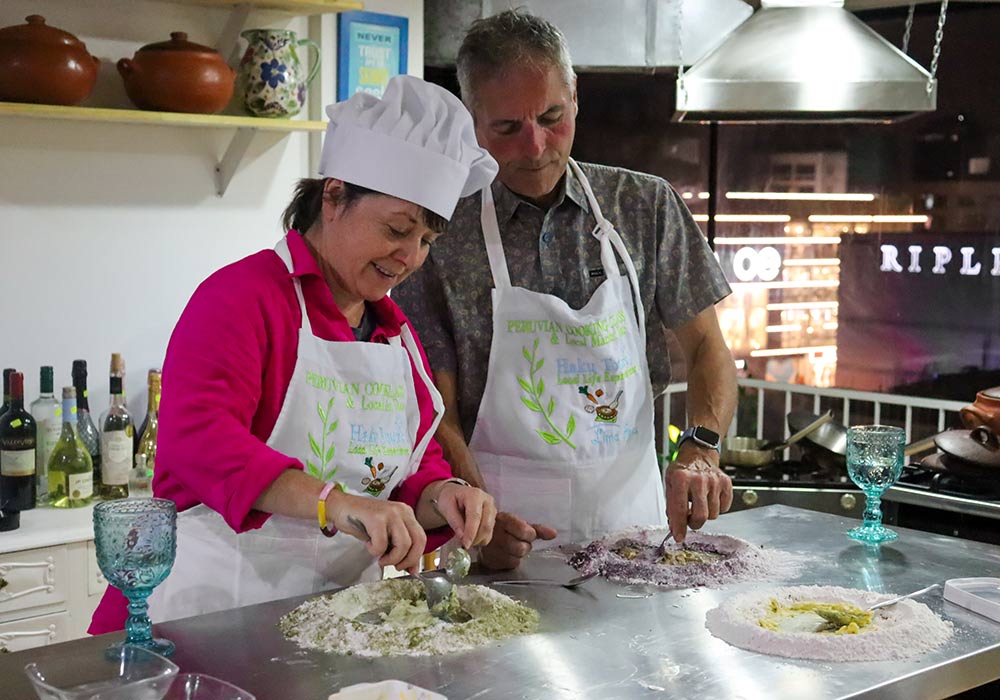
(85, 424)
(140, 481)
(6, 390)
(116, 444)
(117, 369)
(71, 472)
(147, 443)
(47, 413)
(152, 380)
(18, 438)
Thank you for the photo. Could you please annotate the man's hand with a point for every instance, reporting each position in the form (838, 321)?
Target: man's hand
(697, 489)
(512, 538)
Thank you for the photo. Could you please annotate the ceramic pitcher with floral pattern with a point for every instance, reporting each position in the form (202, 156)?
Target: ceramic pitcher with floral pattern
(272, 80)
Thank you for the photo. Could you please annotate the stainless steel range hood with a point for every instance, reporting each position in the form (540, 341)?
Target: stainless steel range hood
(804, 63)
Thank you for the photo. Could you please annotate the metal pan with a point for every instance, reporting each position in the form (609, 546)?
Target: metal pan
(756, 452)
(979, 447)
(827, 446)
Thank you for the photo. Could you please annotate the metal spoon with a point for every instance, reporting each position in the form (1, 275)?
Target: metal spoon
(571, 584)
(893, 601)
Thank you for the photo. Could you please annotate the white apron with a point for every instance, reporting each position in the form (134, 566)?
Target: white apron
(350, 407)
(564, 434)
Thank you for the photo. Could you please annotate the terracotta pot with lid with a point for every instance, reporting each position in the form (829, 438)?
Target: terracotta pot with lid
(178, 76)
(985, 410)
(45, 65)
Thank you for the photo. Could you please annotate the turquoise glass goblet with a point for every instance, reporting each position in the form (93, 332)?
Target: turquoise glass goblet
(874, 462)
(136, 540)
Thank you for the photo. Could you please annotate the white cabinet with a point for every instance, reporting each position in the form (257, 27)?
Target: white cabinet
(50, 583)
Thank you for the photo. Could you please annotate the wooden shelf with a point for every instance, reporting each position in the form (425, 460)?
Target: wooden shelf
(297, 7)
(136, 116)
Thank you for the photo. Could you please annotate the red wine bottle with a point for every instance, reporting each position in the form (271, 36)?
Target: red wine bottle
(18, 437)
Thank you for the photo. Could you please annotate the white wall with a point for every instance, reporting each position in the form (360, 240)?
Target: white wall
(105, 229)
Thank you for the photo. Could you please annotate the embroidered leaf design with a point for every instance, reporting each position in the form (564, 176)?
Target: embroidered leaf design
(531, 403)
(535, 388)
(332, 427)
(315, 447)
(571, 425)
(312, 469)
(329, 453)
(321, 412)
(549, 437)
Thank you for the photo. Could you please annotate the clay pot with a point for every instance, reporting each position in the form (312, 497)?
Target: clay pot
(43, 64)
(178, 76)
(985, 410)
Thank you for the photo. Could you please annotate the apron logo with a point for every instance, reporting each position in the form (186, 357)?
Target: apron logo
(597, 272)
(603, 413)
(534, 388)
(321, 468)
(376, 485)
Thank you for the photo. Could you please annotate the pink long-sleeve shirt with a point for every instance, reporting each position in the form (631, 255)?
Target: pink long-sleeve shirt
(227, 368)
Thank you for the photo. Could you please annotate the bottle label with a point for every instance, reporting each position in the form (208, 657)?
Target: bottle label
(48, 435)
(17, 462)
(116, 462)
(80, 485)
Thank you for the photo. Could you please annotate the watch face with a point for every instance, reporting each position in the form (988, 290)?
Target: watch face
(706, 436)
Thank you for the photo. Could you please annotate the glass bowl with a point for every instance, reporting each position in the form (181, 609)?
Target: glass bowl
(198, 686)
(124, 673)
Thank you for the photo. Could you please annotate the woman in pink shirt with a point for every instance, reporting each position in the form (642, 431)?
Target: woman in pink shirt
(297, 416)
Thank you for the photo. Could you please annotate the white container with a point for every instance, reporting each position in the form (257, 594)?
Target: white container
(386, 690)
(979, 594)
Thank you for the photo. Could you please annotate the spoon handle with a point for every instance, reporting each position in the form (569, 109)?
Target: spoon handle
(893, 601)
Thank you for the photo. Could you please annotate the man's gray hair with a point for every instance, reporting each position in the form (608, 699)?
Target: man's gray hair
(512, 38)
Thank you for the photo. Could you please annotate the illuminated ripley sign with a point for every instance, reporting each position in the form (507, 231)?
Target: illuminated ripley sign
(942, 256)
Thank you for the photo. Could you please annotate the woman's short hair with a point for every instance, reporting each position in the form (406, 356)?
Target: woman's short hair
(514, 37)
(307, 203)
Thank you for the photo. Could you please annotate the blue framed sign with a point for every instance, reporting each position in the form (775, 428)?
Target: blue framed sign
(371, 48)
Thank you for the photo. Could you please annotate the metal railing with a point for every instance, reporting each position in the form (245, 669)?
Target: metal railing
(850, 403)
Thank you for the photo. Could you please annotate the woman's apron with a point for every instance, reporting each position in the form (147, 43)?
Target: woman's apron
(349, 407)
(564, 434)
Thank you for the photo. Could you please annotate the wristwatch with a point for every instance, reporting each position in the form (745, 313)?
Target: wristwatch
(703, 436)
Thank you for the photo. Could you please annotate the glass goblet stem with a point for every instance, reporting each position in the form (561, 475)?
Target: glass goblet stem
(138, 628)
(873, 509)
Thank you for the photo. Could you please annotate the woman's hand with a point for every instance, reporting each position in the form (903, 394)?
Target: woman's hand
(389, 529)
(469, 511)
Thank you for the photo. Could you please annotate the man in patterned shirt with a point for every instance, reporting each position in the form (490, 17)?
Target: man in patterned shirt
(517, 79)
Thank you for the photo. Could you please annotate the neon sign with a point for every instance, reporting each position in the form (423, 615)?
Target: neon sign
(942, 257)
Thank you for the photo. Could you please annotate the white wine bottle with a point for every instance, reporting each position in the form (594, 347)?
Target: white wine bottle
(116, 444)
(147, 442)
(47, 413)
(71, 471)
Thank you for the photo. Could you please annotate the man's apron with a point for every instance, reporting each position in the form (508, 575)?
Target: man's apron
(350, 406)
(564, 434)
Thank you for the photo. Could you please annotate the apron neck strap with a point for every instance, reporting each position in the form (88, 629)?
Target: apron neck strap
(491, 234)
(286, 257)
(436, 400)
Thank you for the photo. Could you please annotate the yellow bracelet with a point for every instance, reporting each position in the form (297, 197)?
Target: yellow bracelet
(324, 526)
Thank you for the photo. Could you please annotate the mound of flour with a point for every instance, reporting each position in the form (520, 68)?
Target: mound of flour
(734, 560)
(329, 623)
(905, 629)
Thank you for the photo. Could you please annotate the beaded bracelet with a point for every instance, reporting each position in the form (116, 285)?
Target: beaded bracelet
(324, 526)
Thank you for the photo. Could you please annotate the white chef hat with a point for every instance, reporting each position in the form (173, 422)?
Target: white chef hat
(416, 143)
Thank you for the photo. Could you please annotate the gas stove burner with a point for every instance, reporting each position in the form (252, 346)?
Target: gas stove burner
(788, 472)
(933, 473)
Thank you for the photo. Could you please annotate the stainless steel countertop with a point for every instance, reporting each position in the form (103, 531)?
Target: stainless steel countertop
(594, 644)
